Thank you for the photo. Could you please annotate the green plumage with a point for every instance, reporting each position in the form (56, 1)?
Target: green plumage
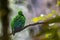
(18, 22)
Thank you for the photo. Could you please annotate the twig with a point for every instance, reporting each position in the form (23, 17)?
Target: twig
(28, 26)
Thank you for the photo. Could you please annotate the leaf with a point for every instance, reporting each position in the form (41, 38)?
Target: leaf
(35, 19)
(54, 20)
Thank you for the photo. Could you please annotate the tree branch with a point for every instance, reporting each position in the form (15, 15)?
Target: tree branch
(27, 27)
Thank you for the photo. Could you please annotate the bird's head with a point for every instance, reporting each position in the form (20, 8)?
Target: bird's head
(20, 13)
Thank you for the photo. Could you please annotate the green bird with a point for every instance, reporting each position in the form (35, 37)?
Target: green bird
(18, 22)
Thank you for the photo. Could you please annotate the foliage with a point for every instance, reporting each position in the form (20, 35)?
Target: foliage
(51, 32)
